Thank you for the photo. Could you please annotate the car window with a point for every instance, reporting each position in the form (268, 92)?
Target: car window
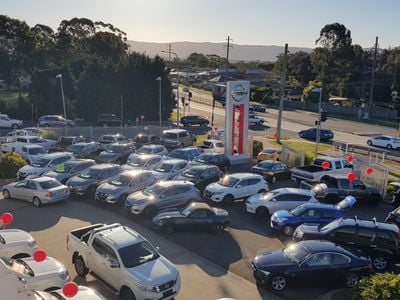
(339, 259)
(357, 184)
(169, 192)
(199, 213)
(243, 183)
(182, 190)
(109, 254)
(346, 164)
(24, 149)
(254, 181)
(180, 166)
(311, 214)
(319, 259)
(366, 235)
(22, 184)
(31, 185)
(345, 184)
(386, 239)
(338, 165)
(182, 134)
(214, 172)
(345, 233)
(206, 173)
(327, 214)
(99, 246)
(282, 197)
(298, 198)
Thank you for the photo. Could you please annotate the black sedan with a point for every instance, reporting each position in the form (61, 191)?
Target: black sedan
(394, 217)
(201, 175)
(272, 170)
(194, 120)
(194, 216)
(310, 261)
(212, 158)
(311, 133)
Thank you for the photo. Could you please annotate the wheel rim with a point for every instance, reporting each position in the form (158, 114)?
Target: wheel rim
(273, 179)
(36, 202)
(389, 146)
(278, 283)
(352, 280)
(380, 263)
(288, 230)
(79, 266)
(6, 194)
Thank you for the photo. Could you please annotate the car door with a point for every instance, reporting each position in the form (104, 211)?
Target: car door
(366, 239)
(293, 200)
(378, 141)
(358, 190)
(204, 179)
(31, 190)
(316, 266)
(344, 188)
(345, 235)
(199, 219)
(241, 189)
(178, 168)
(170, 197)
(19, 189)
(112, 264)
(95, 258)
(311, 215)
(279, 170)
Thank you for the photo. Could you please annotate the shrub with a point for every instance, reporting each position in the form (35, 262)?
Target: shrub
(381, 286)
(257, 147)
(50, 135)
(10, 164)
(308, 158)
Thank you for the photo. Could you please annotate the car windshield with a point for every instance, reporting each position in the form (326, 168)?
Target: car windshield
(163, 167)
(120, 180)
(188, 210)
(40, 163)
(115, 149)
(269, 151)
(137, 161)
(207, 144)
(137, 254)
(35, 141)
(265, 165)
(295, 253)
(66, 141)
(228, 181)
(64, 168)
(18, 266)
(155, 189)
(204, 158)
(177, 153)
(89, 173)
(36, 151)
(76, 148)
(170, 136)
(46, 185)
(108, 138)
(192, 173)
(145, 150)
(328, 227)
(297, 211)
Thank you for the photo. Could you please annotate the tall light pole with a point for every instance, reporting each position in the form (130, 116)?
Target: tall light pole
(283, 85)
(159, 85)
(62, 95)
(177, 90)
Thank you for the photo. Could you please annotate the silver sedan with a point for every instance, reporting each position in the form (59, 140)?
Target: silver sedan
(39, 190)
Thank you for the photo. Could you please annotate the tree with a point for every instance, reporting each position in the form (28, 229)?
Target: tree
(334, 36)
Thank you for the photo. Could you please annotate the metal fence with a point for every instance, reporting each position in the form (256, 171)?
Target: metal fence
(292, 157)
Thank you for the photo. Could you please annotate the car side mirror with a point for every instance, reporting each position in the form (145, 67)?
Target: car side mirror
(273, 200)
(114, 264)
(238, 186)
(158, 248)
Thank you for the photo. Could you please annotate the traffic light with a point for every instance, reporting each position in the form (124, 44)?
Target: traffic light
(323, 116)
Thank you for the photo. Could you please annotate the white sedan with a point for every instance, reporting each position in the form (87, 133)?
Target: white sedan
(84, 293)
(16, 243)
(386, 141)
(48, 275)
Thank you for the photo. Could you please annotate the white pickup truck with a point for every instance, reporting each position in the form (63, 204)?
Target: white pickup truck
(315, 171)
(6, 122)
(24, 140)
(15, 243)
(124, 260)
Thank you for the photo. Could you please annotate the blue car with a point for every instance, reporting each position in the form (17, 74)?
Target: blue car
(316, 213)
(325, 134)
(188, 153)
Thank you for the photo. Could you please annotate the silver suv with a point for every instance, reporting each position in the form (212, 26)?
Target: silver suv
(178, 138)
(164, 194)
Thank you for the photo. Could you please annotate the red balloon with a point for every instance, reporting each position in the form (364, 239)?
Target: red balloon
(370, 171)
(276, 135)
(351, 177)
(6, 218)
(70, 289)
(39, 255)
(349, 158)
(326, 165)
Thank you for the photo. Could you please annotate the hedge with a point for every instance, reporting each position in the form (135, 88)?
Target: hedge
(10, 164)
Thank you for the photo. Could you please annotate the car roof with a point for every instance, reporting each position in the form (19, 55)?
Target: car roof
(121, 236)
(174, 130)
(212, 154)
(320, 246)
(133, 173)
(78, 161)
(148, 156)
(202, 167)
(272, 162)
(174, 161)
(83, 143)
(56, 155)
(200, 205)
(367, 224)
(293, 191)
(103, 166)
(31, 146)
(151, 146)
(321, 206)
(42, 179)
(113, 135)
(168, 183)
(186, 148)
(245, 175)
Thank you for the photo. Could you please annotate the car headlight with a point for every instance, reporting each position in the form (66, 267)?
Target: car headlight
(218, 193)
(145, 288)
(280, 220)
(32, 244)
(264, 272)
(64, 275)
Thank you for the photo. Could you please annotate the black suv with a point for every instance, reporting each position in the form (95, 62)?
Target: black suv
(110, 120)
(220, 160)
(380, 241)
(194, 120)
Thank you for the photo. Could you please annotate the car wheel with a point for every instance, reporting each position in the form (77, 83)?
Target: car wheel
(228, 200)
(36, 202)
(80, 267)
(262, 211)
(260, 123)
(217, 228)
(351, 280)
(169, 229)
(288, 230)
(272, 179)
(126, 294)
(278, 282)
(14, 126)
(369, 143)
(389, 146)
(150, 211)
(122, 200)
(380, 263)
(6, 194)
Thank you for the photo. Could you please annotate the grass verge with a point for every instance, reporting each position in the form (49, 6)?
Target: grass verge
(11, 97)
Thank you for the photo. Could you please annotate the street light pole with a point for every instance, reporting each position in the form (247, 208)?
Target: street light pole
(159, 82)
(319, 123)
(283, 84)
(177, 90)
(62, 94)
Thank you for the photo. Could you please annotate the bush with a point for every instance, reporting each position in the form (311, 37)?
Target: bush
(257, 147)
(10, 164)
(381, 286)
(50, 135)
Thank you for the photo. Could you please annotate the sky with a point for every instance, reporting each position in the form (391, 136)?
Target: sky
(248, 22)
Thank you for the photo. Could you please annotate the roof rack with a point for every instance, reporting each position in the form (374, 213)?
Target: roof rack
(374, 220)
(356, 219)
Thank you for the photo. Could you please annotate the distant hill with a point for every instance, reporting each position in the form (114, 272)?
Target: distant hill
(237, 52)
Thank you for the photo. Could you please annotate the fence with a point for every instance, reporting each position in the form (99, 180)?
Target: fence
(292, 157)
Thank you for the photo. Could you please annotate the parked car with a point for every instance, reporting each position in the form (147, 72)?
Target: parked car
(23, 141)
(311, 133)
(162, 195)
(117, 153)
(288, 220)
(194, 216)
(44, 275)
(34, 131)
(144, 139)
(386, 141)
(38, 191)
(220, 160)
(378, 240)
(255, 120)
(64, 141)
(106, 140)
(105, 120)
(15, 243)
(310, 261)
(396, 193)
(265, 204)
(335, 187)
(32, 152)
(55, 121)
(269, 154)
(213, 146)
(194, 120)
(258, 107)
(117, 188)
(88, 180)
(177, 138)
(12, 135)
(201, 175)
(188, 153)
(84, 293)
(394, 217)
(235, 186)
(125, 260)
(149, 149)
(84, 149)
(272, 170)
(168, 169)
(70, 168)
(315, 171)
(7, 122)
(45, 163)
(142, 162)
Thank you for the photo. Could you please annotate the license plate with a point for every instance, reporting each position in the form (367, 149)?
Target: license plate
(168, 293)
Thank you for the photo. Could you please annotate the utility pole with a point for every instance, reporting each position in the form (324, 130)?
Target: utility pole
(169, 53)
(371, 90)
(228, 45)
(122, 110)
(283, 84)
(318, 138)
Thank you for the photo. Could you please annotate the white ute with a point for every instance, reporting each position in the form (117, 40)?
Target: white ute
(6, 122)
(124, 260)
(15, 243)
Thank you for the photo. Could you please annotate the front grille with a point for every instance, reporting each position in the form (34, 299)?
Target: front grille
(101, 196)
(167, 285)
(208, 194)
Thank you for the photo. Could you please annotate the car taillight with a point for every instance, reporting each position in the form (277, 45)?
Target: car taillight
(398, 234)
(370, 267)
